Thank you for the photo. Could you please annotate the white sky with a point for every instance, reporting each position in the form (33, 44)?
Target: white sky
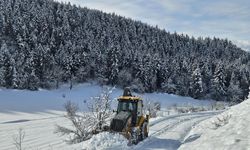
(207, 18)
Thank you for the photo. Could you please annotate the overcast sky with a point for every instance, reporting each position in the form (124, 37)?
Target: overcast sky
(207, 18)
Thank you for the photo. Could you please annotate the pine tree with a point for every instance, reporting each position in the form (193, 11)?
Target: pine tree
(30, 77)
(49, 43)
(15, 84)
(234, 91)
(113, 63)
(196, 86)
(244, 84)
(218, 88)
(6, 66)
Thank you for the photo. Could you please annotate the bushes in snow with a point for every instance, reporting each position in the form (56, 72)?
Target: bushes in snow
(221, 120)
(151, 108)
(85, 124)
(187, 108)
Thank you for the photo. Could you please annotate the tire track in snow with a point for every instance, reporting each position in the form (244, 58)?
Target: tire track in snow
(170, 126)
(172, 122)
(183, 115)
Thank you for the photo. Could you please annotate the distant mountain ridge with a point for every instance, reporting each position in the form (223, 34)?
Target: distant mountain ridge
(45, 43)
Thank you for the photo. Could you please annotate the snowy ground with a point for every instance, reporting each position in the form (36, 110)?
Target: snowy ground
(228, 131)
(44, 100)
(39, 131)
(165, 133)
(38, 112)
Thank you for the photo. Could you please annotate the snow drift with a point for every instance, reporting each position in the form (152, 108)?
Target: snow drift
(229, 130)
(106, 140)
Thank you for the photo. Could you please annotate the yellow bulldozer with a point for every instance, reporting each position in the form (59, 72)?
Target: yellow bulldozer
(130, 119)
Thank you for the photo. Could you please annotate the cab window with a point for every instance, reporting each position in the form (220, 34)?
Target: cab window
(126, 106)
(139, 109)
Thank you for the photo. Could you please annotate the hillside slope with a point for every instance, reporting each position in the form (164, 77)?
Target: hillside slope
(45, 43)
(229, 130)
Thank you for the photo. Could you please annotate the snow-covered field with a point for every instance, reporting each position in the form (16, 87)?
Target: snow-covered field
(46, 100)
(37, 113)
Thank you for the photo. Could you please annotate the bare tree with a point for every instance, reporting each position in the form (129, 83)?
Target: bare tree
(19, 138)
(100, 109)
(80, 130)
(85, 124)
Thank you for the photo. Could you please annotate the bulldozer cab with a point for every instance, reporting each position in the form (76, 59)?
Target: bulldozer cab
(131, 104)
(129, 118)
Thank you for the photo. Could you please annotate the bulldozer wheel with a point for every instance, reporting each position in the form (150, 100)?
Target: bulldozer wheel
(135, 138)
(127, 129)
(144, 131)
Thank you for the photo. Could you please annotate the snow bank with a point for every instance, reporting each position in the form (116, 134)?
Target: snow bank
(106, 140)
(227, 131)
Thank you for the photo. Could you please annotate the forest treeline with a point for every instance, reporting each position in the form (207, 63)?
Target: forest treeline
(45, 43)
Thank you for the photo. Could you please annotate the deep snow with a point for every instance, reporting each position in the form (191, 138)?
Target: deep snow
(165, 132)
(227, 131)
(37, 113)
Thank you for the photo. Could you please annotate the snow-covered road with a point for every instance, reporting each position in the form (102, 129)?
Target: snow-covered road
(165, 132)
(168, 133)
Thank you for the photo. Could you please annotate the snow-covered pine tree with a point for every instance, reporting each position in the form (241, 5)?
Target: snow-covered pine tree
(113, 63)
(218, 87)
(196, 85)
(234, 90)
(2, 80)
(6, 66)
(30, 77)
(15, 83)
(244, 83)
(55, 32)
